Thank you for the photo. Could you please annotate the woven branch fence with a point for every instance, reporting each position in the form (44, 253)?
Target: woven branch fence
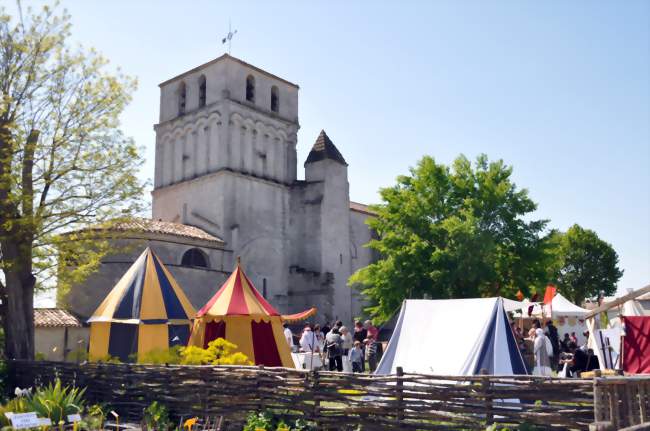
(622, 403)
(332, 400)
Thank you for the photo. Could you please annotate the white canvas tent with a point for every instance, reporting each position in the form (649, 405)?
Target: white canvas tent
(453, 337)
(567, 316)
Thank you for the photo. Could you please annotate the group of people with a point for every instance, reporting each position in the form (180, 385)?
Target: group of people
(337, 344)
(565, 356)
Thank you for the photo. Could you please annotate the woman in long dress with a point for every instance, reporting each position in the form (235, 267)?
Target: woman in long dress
(542, 359)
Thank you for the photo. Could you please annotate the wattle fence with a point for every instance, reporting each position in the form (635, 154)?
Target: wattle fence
(333, 401)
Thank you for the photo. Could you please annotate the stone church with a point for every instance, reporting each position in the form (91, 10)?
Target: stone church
(226, 185)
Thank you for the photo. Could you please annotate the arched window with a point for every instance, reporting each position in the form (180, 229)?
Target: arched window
(194, 257)
(182, 95)
(275, 99)
(202, 89)
(250, 88)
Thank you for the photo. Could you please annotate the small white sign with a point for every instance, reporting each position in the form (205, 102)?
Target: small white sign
(115, 414)
(45, 422)
(74, 418)
(25, 420)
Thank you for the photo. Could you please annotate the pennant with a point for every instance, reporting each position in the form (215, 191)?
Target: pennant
(550, 293)
(519, 295)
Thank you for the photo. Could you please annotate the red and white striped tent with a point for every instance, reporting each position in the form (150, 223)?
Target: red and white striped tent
(241, 315)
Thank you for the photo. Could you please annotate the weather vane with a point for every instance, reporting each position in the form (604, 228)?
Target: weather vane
(229, 37)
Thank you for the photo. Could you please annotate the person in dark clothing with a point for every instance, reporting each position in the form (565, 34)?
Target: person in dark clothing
(555, 342)
(592, 361)
(360, 334)
(325, 328)
(565, 342)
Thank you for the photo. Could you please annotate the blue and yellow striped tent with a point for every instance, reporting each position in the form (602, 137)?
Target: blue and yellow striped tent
(145, 311)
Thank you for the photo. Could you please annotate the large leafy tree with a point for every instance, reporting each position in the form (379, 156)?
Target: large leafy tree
(64, 163)
(452, 232)
(584, 265)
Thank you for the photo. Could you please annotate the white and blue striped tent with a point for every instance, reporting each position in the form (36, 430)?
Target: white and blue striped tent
(453, 337)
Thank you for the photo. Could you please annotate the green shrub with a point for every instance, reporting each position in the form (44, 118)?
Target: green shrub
(16, 405)
(268, 421)
(79, 355)
(56, 402)
(219, 352)
(156, 417)
(94, 417)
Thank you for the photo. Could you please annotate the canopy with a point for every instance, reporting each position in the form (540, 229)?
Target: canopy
(146, 310)
(241, 315)
(429, 338)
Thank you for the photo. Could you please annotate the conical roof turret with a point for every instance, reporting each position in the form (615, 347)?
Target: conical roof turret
(324, 149)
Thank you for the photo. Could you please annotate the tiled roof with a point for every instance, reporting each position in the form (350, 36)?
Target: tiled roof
(54, 317)
(165, 227)
(323, 149)
(362, 208)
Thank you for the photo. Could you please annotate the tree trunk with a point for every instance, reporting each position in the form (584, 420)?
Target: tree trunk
(18, 320)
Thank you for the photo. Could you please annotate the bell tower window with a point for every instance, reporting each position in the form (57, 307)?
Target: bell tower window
(202, 90)
(182, 96)
(250, 88)
(275, 100)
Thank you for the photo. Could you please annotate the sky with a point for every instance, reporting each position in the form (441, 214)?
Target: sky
(560, 90)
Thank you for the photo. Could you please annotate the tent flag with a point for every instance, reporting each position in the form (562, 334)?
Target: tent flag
(485, 342)
(146, 310)
(636, 344)
(549, 294)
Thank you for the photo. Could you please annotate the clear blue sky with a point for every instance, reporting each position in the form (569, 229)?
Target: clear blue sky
(558, 89)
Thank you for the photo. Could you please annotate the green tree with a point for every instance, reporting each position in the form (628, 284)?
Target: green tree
(452, 232)
(64, 163)
(584, 264)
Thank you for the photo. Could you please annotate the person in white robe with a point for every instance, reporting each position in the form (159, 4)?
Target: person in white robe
(543, 352)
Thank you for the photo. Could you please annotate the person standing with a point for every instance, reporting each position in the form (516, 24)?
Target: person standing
(371, 330)
(308, 341)
(333, 343)
(360, 334)
(288, 335)
(542, 357)
(356, 357)
(371, 354)
(554, 338)
(348, 341)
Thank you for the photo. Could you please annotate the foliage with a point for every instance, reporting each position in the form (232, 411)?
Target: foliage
(156, 416)
(268, 421)
(40, 356)
(15, 405)
(219, 352)
(94, 417)
(56, 401)
(65, 165)
(161, 356)
(78, 355)
(584, 265)
(452, 232)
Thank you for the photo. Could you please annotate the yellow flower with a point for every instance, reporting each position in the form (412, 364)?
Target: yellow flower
(190, 423)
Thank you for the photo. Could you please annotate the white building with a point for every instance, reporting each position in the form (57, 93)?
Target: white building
(226, 170)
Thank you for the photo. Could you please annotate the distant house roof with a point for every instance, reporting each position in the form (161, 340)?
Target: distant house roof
(54, 317)
(362, 208)
(323, 149)
(147, 225)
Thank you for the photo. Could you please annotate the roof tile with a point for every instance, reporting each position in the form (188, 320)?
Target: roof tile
(54, 317)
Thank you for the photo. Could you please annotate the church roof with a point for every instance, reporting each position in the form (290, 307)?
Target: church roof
(146, 225)
(228, 57)
(362, 208)
(323, 149)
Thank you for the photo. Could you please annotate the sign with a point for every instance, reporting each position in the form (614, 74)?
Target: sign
(25, 420)
(45, 422)
(115, 414)
(74, 418)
